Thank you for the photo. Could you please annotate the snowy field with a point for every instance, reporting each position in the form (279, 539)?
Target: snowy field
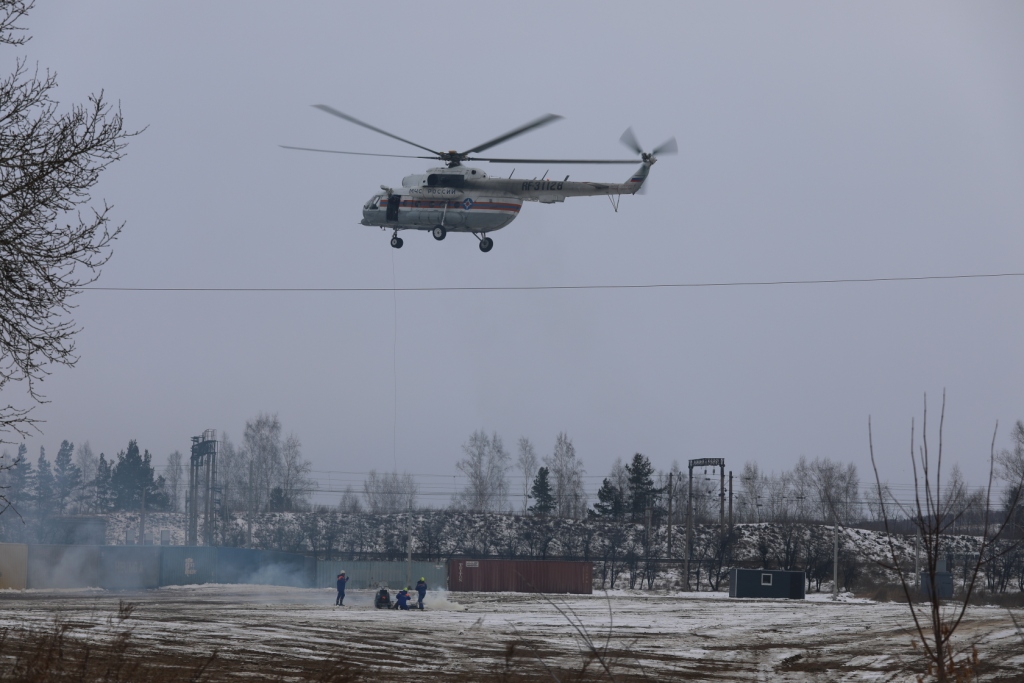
(468, 635)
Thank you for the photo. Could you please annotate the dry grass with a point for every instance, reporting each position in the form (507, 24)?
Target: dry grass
(893, 592)
(65, 652)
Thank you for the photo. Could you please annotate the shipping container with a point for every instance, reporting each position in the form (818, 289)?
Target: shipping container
(186, 565)
(367, 574)
(124, 567)
(766, 583)
(521, 576)
(13, 566)
(237, 565)
(63, 566)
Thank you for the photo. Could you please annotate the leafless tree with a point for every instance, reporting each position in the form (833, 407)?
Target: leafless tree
(567, 479)
(1011, 462)
(53, 239)
(262, 453)
(486, 468)
(837, 490)
(350, 502)
(294, 477)
(389, 492)
(933, 511)
(753, 484)
(778, 501)
(173, 475)
(802, 484)
(873, 501)
(527, 463)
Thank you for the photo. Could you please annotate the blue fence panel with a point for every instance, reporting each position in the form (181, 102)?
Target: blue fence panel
(237, 565)
(129, 566)
(185, 565)
(63, 566)
(282, 569)
(370, 574)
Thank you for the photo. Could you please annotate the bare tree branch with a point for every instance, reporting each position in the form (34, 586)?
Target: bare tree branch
(53, 239)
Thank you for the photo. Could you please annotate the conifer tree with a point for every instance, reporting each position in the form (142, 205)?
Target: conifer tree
(611, 502)
(104, 501)
(18, 480)
(67, 476)
(45, 489)
(642, 493)
(541, 493)
(133, 474)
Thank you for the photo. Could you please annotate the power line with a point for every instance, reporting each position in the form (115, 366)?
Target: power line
(533, 288)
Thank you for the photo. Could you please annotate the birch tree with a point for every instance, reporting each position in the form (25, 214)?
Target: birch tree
(567, 479)
(389, 492)
(527, 464)
(486, 468)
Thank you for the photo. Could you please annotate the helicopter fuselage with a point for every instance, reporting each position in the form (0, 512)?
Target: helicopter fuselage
(463, 199)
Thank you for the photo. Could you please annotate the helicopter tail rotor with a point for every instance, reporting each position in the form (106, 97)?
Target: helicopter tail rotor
(668, 147)
(629, 139)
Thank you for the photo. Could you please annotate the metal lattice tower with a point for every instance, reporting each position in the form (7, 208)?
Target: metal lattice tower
(203, 497)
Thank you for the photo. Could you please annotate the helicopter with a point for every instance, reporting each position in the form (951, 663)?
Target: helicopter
(458, 198)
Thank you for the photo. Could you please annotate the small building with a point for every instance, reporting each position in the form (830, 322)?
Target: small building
(766, 583)
(943, 585)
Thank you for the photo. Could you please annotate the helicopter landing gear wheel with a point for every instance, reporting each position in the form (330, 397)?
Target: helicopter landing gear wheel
(439, 232)
(397, 242)
(486, 244)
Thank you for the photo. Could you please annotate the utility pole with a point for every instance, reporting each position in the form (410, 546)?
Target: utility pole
(142, 519)
(689, 527)
(670, 514)
(408, 564)
(721, 496)
(248, 535)
(730, 500)
(647, 548)
(835, 555)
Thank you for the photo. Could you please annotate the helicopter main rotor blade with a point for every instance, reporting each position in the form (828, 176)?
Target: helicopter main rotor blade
(667, 147)
(360, 154)
(536, 123)
(629, 140)
(554, 161)
(352, 119)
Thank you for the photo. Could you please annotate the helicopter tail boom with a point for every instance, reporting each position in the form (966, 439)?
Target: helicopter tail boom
(636, 181)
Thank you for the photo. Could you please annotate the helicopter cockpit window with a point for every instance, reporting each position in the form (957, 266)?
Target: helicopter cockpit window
(373, 203)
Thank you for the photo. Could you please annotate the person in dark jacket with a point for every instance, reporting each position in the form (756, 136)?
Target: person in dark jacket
(421, 589)
(342, 580)
(402, 599)
(383, 599)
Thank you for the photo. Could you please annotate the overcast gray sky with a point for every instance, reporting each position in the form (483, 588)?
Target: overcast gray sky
(817, 140)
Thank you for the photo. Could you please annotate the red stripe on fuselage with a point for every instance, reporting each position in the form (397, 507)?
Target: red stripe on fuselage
(458, 206)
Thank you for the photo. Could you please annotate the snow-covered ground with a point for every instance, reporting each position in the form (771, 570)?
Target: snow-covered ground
(697, 636)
